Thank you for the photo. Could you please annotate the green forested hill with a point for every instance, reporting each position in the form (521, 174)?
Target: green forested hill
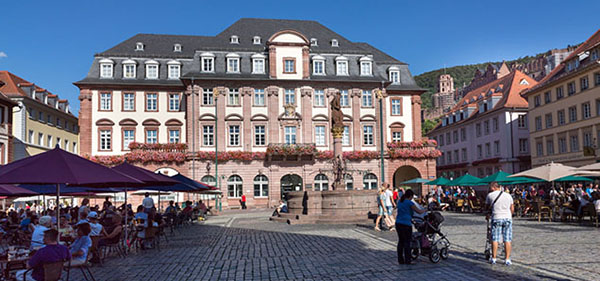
(462, 74)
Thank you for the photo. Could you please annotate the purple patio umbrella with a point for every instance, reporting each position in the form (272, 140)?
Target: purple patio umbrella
(59, 167)
(10, 190)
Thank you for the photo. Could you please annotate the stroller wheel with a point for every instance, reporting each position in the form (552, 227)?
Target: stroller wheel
(444, 253)
(434, 255)
(414, 253)
(487, 254)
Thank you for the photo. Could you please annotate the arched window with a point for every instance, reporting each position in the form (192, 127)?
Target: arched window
(321, 182)
(261, 186)
(349, 181)
(370, 181)
(234, 186)
(210, 180)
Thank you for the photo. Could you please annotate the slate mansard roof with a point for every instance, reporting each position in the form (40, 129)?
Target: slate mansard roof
(160, 47)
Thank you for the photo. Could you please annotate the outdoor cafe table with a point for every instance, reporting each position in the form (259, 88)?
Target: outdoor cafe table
(12, 265)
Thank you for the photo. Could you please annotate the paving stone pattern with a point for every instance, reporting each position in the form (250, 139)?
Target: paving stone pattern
(246, 246)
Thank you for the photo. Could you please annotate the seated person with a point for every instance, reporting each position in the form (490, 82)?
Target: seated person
(37, 238)
(65, 229)
(282, 208)
(52, 252)
(141, 216)
(202, 207)
(25, 224)
(83, 214)
(81, 246)
(94, 225)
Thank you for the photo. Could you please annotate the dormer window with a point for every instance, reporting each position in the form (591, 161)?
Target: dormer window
(524, 82)
(394, 75)
(106, 68)
(595, 55)
(366, 66)
(174, 69)
(258, 64)
(256, 40)
(129, 69)
(208, 62)
(177, 48)
(313, 42)
(341, 65)
(139, 46)
(334, 43)
(318, 65)
(234, 39)
(151, 69)
(233, 63)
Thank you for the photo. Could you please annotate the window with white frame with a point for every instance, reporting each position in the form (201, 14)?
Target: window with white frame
(572, 113)
(260, 138)
(346, 136)
(233, 64)
(74, 147)
(344, 98)
(319, 98)
(321, 182)
(320, 135)
(258, 65)
(234, 39)
(128, 101)
(394, 76)
(396, 107)
(522, 121)
(174, 136)
(174, 71)
(396, 136)
(151, 136)
(289, 66)
(40, 139)
(342, 66)
(586, 110)
(259, 97)
(30, 136)
(261, 186)
(152, 70)
(66, 145)
(349, 182)
(105, 101)
(523, 144)
(152, 102)
(574, 143)
(256, 40)
(289, 96)
(208, 179)
(365, 68)
(290, 134)
(368, 135)
(128, 137)
(129, 70)
(207, 96)
(319, 66)
(367, 98)
(208, 135)
(58, 143)
(233, 97)
(370, 181)
(105, 139)
(208, 64)
(234, 186)
(562, 145)
(106, 70)
(174, 102)
(234, 135)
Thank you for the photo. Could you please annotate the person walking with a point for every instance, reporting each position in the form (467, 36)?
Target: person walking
(405, 210)
(501, 206)
(380, 205)
(243, 202)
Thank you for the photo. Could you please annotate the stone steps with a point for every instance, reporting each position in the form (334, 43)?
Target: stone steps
(320, 219)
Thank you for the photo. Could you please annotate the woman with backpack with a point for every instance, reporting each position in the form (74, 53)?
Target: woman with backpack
(405, 210)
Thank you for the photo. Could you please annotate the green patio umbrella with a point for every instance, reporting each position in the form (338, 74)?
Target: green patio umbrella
(574, 178)
(439, 181)
(499, 177)
(520, 180)
(415, 180)
(465, 180)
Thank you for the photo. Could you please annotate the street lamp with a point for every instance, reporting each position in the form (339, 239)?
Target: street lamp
(380, 98)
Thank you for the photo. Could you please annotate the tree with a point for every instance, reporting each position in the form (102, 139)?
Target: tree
(428, 125)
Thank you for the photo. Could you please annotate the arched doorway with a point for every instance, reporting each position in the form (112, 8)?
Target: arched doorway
(290, 182)
(405, 173)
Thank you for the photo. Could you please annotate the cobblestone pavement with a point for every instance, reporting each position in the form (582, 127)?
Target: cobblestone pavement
(246, 246)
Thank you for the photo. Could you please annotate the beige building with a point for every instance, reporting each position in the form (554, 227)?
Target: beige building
(41, 120)
(564, 110)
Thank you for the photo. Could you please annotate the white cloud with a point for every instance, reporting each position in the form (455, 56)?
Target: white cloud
(3, 54)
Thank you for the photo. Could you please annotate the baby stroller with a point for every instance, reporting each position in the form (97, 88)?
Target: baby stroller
(488, 242)
(429, 240)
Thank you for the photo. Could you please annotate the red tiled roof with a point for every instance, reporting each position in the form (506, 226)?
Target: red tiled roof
(11, 86)
(591, 42)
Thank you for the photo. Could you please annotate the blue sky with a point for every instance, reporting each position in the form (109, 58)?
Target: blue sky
(52, 43)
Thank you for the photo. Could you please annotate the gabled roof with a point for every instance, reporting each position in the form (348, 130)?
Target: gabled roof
(559, 71)
(11, 87)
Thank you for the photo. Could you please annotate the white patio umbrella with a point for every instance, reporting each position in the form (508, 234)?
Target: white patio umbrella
(590, 167)
(549, 172)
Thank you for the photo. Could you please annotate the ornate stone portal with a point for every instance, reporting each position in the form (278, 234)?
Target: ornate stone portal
(337, 206)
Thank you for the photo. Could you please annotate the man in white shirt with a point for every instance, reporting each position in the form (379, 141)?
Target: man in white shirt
(94, 225)
(502, 208)
(148, 203)
(389, 199)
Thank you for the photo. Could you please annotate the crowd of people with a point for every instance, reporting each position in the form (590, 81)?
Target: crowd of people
(72, 241)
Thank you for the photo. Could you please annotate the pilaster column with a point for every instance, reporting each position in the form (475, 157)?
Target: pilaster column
(85, 122)
(273, 114)
(416, 116)
(355, 135)
(307, 128)
(246, 93)
(221, 132)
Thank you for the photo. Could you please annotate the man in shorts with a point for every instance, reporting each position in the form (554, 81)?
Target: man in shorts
(502, 208)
